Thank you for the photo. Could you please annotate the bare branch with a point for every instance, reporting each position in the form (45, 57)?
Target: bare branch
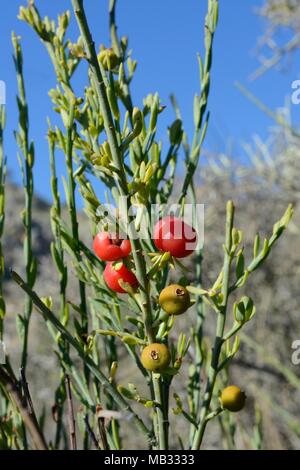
(71, 419)
(12, 388)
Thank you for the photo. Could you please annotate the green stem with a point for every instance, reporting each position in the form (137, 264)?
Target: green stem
(56, 209)
(60, 396)
(74, 221)
(28, 154)
(194, 377)
(117, 158)
(213, 370)
(75, 234)
(161, 431)
(116, 45)
(119, 164)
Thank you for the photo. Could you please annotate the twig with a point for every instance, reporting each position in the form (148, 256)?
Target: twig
(116, 45)
(119, 164)
(194, 388)
(102, 428)
(91, 432)
(71, 203)
(29, 419)
(27, 149)
(213, 370)
(27, 397)
(58, 258)
(71, 419)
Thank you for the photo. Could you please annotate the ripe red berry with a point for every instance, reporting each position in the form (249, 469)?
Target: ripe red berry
(115, 272)
(174, 235)
(109, 248)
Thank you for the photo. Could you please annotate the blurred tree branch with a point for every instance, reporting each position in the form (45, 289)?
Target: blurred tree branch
(281, 16)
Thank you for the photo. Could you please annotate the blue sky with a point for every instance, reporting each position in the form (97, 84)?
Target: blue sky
(165, 37)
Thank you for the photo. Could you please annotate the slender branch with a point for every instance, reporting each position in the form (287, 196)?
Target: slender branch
(27, 150)
(118, 163)
(71, 419)
(26, 392)
(91, 432)
(162, 435)
(116, 45)
(74, 221)
(213, 370)
(197, 331)
(117, 157)
(58, 258)
(29, 419)
(102, 429)
(75, 233)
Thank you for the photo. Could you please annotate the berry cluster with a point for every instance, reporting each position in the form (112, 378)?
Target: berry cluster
(171, 235)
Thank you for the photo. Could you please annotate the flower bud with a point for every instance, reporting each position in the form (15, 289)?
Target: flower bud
(137, 121)
(108, 59)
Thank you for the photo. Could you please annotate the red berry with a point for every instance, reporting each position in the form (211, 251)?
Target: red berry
(115, 272)
(109, 248)
(174, 235)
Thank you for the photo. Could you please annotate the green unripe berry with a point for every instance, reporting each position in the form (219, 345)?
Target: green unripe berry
(174, 299)
(233, 399)
(155, 357)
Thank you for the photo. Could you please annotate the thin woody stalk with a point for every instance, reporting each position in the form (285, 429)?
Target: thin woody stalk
(56, 213)
(58, 256)
(71, 419)
(116, 45)
(71, 202)
(122, 182)
(213, 370)
(64, 76)
(29, 419)
(27, 149)
(197, 331)
(73, 215)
